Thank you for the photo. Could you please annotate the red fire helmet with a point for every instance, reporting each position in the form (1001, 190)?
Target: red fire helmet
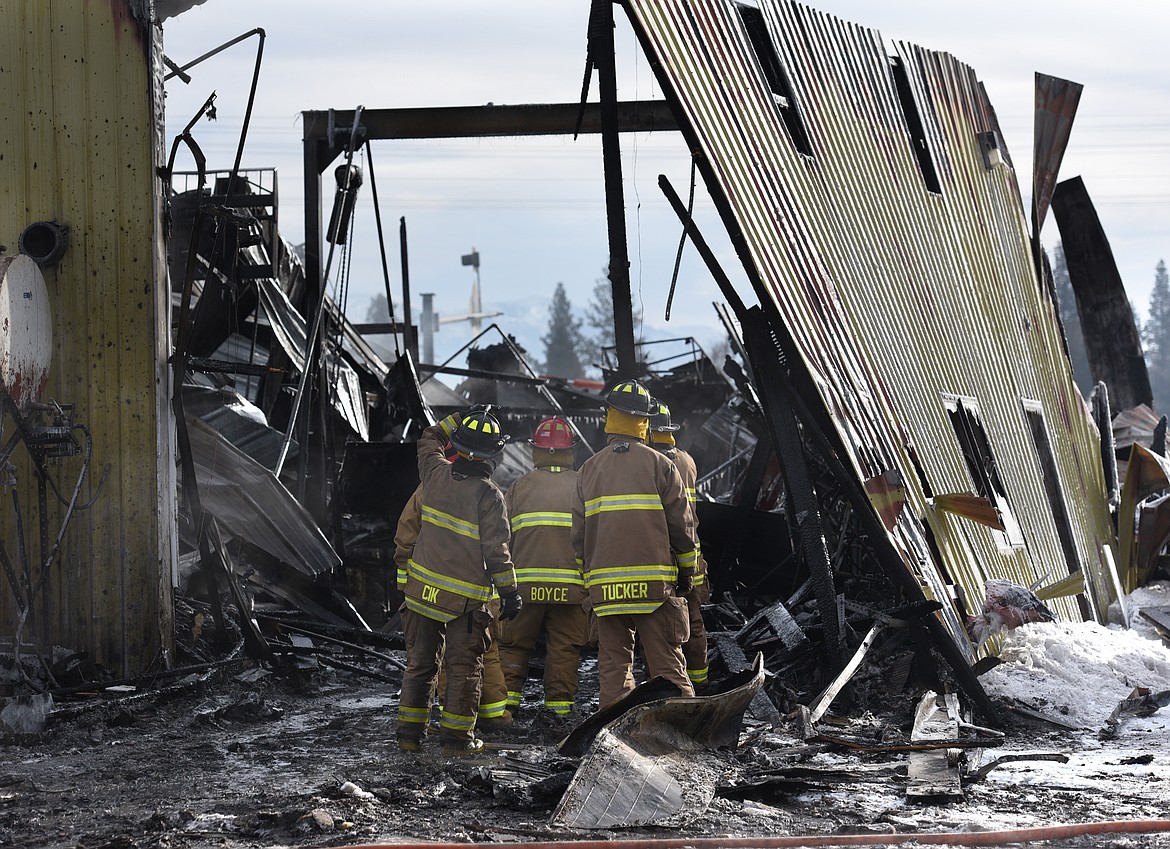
(554, 434)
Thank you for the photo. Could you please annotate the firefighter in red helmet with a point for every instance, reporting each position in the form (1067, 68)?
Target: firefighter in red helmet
(460, 555)
(633, 532)
(550, 580)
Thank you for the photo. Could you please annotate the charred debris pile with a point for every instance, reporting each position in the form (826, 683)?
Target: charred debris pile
(287, 533)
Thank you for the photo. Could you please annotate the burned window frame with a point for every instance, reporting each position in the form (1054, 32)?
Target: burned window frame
(1050, 474)
(768, 61)
(982, 468)
(914, 126)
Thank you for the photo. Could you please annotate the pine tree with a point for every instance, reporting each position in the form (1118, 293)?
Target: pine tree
(1067, 300)
(599, 319)
(376, 310)
(564, 342)
(1156, 337)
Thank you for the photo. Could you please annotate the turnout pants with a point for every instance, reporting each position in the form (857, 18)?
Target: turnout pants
(662, 634)
(493, 697)
(465, 639)
(566, 630)
(695, 648)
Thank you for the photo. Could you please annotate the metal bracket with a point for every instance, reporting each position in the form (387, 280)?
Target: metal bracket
(356, 132)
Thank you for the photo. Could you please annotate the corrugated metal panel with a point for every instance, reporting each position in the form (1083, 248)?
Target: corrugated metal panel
(898, 298)
(78, 110)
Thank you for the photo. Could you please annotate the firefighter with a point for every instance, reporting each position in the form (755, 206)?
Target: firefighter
(461, 553)
(662, 431)
(551, 584)
(493, 704)
(633, 534)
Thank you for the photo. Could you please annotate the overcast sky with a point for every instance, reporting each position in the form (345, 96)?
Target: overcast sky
(534, 209)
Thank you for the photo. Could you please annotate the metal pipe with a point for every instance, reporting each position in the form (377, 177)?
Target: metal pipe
(957, 838)
(428, 327)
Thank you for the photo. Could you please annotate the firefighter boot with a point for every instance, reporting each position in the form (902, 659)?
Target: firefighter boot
(463, 748)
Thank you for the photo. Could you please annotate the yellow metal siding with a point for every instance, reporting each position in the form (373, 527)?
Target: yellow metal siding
(895, 296)
(79, 122)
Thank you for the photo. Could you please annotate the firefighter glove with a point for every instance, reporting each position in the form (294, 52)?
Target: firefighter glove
(686, 580)
(510, 605)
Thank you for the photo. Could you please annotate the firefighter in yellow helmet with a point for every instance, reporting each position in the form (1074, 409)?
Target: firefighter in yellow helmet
(634, 535)
(460, 554)
(662, 431)
(551, 584)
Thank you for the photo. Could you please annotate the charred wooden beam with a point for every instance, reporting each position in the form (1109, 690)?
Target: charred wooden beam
(1111, 336)
(777, 619)
(601, 53)
(769, 375)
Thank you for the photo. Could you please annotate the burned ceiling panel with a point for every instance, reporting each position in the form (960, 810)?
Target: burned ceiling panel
(891, 256)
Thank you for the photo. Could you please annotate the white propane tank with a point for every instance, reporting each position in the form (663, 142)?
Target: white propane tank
(26, 333)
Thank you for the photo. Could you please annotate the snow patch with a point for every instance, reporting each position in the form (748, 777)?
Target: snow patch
(1078, 672)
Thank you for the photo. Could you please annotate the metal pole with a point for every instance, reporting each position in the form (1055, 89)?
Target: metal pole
(315, 159)
(409, 339)
(428, 328)
(601, 39)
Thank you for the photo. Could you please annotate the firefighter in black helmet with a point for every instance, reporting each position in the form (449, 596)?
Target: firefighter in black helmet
(461, 553)
(662, 431)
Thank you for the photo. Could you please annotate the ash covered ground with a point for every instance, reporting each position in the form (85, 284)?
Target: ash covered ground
(245, 759)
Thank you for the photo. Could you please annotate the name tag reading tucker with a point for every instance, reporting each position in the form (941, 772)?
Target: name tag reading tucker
(622, 592)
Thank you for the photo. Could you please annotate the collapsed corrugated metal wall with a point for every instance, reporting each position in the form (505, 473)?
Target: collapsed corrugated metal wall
(81, 129)
(872, 203)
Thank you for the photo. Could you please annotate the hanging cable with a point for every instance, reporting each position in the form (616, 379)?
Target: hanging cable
(381, 243)
(312, 335)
